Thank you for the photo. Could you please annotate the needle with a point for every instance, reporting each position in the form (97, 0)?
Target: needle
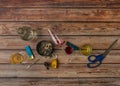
(32, 64)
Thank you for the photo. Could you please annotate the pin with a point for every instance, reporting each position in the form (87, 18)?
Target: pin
(55, 38)
(17, 58)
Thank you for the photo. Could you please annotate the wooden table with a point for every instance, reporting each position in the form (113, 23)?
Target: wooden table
(94, 22)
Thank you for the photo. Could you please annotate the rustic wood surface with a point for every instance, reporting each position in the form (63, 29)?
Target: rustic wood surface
(94, 22)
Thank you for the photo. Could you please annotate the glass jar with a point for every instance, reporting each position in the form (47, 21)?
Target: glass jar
(27, 33)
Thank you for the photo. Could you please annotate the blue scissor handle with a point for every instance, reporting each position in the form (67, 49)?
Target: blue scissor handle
(97, 60)
(89, 65)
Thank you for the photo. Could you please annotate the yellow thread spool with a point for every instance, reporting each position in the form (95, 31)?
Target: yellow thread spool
(54, 63)
(86, 49)
(17, 58)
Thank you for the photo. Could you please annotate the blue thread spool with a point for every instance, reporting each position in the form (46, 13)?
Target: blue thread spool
(29, 52)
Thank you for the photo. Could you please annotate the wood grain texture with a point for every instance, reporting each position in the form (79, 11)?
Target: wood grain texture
(60, 81)
(64, 70)
(75, 57)
(60, 3)
(62, 28)
(94, 22)
(15, 42)
(52, 14)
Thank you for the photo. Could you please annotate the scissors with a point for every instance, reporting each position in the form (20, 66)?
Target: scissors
(96, 60)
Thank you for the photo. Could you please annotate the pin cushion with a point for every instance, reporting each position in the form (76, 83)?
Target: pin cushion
(45, 48)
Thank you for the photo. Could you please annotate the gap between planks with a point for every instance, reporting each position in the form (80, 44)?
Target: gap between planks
(60, 3)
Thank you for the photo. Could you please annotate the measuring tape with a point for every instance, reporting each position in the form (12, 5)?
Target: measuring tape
(17, 58)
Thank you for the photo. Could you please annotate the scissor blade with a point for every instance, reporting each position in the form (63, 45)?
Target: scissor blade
(109, 49)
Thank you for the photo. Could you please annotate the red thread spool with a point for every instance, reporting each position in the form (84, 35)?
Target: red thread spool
(69, 50)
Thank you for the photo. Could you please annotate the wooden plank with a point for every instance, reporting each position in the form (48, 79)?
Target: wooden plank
(62, 28)
(97, 24)
(60, 3)
(60, 81)
(53, 14)
(102, 42)
(64, 70)
(75, 57)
